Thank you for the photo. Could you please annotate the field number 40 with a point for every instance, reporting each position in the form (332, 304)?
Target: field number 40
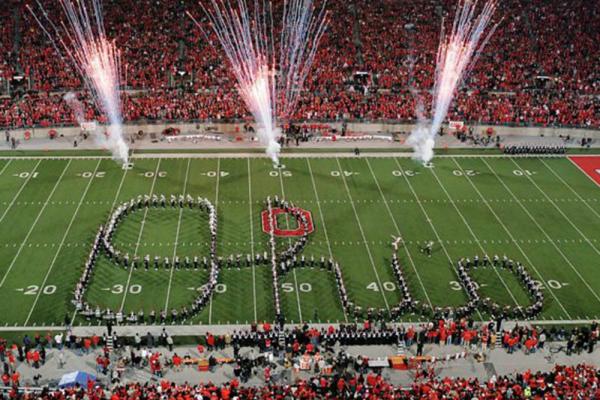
(387, 286)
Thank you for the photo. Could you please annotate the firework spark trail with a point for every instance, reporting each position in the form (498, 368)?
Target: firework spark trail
(247, 38)
(83, 40)
(457, 54)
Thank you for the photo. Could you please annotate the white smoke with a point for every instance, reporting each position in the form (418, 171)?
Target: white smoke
(268, 139)
(422, 141)
(76, 106)
(112, 140)
(422, 138)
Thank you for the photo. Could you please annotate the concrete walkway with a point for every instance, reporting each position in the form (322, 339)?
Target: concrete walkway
(255, 149)
(497, 362)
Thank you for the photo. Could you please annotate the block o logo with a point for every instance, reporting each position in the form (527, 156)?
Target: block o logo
(281, 232)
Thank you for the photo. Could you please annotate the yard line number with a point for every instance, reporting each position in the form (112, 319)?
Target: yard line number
(387, 286)
(33, 290)
(219, 288)
(119, 289)
(466, 172)
(88, 174)
(409, 173)
(304, 287)
(150, 174)
(25, 175)
(214, 174)
(552, 284)
(523, 172)
(276, 174)
(345, 173)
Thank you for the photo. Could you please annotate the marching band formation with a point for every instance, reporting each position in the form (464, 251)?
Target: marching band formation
(533, 288)
(281, 263)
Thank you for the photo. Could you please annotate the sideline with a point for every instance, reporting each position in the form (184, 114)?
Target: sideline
(308, 154)
(200, 330)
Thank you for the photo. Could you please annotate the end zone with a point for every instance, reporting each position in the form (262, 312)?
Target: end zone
(590, 165)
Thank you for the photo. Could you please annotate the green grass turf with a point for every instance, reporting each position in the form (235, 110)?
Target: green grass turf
(50, 210)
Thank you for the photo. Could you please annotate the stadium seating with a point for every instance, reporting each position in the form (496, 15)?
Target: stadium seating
(579, 382)
(528, 73)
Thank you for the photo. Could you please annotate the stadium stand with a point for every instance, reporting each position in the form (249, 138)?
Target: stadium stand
(580, 381)
(337, 375)
(365, 68)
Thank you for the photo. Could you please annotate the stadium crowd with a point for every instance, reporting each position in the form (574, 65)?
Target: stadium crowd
(563, 382)
(374, 54)
(350, 378)
(336, 373)
(463, 332)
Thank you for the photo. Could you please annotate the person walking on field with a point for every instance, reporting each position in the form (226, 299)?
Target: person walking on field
(428, 248)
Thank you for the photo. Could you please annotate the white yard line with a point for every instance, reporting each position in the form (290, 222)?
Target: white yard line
(587, 204)
(6, 166)
(139, 239)
(114, 203)
(210, 304)
(570, 223)
(187, 173)
(287, 223)
(314, 185)
(62, 242)
(112, 207)
(252, 239)
(12, 264)
(565, 216)
(433, 228)
(542, 230)
(389, 210)
(583, 171)
(16, 196)
(472, 233)
(362, 232)
(509, 233)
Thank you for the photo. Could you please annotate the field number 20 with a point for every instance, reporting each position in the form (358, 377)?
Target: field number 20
(33, 290)
(466, 172)
(87, 174)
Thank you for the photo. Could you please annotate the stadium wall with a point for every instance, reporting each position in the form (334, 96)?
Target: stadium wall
(352, 128)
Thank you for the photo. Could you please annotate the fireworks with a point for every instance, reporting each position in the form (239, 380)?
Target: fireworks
(269, 83)
(82, 39)
(457, 54)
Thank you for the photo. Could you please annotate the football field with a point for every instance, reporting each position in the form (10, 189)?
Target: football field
(542, 212)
